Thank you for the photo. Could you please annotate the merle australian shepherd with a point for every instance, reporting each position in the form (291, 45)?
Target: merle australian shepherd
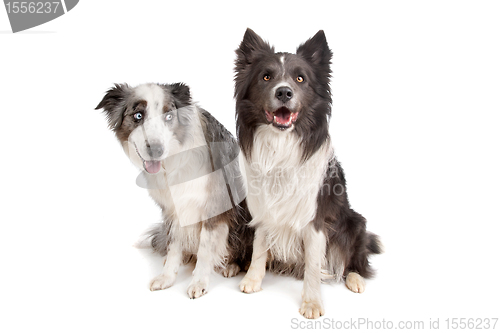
(190, 167)
(304, 225)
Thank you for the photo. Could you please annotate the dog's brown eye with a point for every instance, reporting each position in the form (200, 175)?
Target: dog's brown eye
(300, 79)
(267, 78)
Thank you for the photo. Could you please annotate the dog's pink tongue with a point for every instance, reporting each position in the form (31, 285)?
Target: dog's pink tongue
(152, 166)
(282, 116)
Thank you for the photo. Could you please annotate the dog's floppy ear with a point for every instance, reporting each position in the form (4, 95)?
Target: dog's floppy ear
(250, 45)
(114, 104)
(316, 49)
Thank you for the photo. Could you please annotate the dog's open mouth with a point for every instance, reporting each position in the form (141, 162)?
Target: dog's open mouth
(282, 118)
(150, 166)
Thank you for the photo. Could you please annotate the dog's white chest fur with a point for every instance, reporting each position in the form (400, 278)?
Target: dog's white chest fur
(283, 189)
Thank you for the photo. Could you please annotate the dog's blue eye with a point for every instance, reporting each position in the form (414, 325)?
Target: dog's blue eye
(138, 116)
(169, 117)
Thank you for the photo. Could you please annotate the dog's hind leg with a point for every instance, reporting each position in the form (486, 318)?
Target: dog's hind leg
(211, 252)
(355, 282)
(314, 250)
(172, 261)
(230, 270)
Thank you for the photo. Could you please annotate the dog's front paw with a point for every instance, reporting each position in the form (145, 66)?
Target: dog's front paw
(355, 282)
(312, 309)
(197, 289)
(249, 285)
(161, 282)
(230, 270)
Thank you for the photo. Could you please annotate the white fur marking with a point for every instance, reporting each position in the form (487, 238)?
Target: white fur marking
(253, 279)
(211, 252)
(282, 190)
(314, 248)
(172, 260)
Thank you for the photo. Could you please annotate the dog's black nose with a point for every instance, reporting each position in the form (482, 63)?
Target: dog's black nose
(154, 150)
(284, 94)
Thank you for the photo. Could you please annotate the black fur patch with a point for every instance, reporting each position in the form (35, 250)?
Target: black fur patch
(114, 104)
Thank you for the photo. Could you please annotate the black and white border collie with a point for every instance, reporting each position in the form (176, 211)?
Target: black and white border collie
(304, 225)
(189, 164)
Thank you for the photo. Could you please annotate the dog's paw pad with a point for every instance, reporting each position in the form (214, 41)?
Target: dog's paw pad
(161, 282)
(197, 289)
(248, 285)
(312, 309)
(355, 282)
(231, 270)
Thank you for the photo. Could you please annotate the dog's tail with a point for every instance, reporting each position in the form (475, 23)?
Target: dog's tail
(144, 242)
(364, 244)
(374, 245)
(155, 238)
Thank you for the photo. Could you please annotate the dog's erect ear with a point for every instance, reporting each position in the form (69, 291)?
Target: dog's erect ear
(182, 100)
(316, 49)
(114, 104)
(250, 45)
(181, 94)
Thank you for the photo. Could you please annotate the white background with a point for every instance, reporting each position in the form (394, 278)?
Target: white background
(415, 123)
